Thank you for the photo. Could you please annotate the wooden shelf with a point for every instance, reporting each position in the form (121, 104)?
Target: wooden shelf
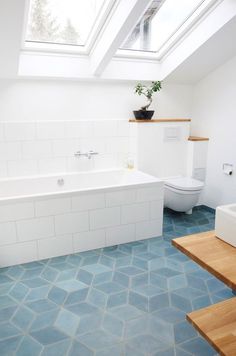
(196, 138)
(213, 254)
(217, 323)
(160, 120)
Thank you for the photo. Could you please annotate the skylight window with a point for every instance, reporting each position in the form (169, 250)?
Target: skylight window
(159, 24)
(66, 22)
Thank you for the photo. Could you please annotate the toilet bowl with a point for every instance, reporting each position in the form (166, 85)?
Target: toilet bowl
(182, 193)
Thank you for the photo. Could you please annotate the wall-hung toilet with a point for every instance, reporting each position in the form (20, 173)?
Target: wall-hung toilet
(182, 193)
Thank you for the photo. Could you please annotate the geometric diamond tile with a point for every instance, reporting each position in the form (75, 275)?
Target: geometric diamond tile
(98, 339)
(110, 287)
(8, 330)
(198, 346)
(44, 320)
(58, 349)
(79, 349)
(67, 322)
(80, 304)
(96, 268)
(113, 325)
(23, 318)
(9, 345)
(126, 312)
(147, 344)
(148, 298)
(82, 309)
(29, 346)
(97, 298)
(6, 313)
(19, 291)
(71, 285)
(49, 335)
(41, 306)
(76, 297)
(167, 278)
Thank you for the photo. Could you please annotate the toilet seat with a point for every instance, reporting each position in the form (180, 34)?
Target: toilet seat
(184, 184)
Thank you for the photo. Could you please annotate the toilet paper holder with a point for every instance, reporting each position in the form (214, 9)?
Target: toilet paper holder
(228, 168)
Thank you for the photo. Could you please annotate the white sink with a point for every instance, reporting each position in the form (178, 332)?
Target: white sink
(225, 225)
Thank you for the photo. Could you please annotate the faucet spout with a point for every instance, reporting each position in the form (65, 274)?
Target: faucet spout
(88, 154)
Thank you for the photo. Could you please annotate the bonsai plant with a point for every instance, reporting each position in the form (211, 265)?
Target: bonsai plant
(148, 91)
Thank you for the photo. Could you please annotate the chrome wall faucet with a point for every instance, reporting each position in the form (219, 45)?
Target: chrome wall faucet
(88, 154)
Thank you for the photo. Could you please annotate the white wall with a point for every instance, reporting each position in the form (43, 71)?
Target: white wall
(29, 146)
(33, 100)
(214, 115)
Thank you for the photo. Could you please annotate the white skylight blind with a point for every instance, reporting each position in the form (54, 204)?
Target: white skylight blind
(67, 22)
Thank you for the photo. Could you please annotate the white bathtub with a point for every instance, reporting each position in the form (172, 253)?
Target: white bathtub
(48, 216)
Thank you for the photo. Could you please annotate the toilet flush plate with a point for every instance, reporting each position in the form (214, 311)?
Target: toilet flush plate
(225, 223)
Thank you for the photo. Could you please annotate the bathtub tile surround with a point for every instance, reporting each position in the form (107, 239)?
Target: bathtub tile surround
(127, 207)
(123, 300)
(31, 148)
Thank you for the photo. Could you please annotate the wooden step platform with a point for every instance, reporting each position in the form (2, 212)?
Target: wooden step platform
(217, 324)
(213, 254)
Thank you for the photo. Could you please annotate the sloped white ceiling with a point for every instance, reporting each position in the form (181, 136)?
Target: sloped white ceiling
(216, 51)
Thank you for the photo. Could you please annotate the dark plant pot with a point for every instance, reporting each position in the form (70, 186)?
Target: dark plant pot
(143, 114)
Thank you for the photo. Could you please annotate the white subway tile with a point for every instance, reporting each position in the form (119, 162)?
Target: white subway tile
(123, 128)
(19, 131)
(84, 202)
(104, 218)
(79, 164)
(148, 229)
(52, 206)
(10, 151)
(122, 160)
(117, 145)
(33, 229)
(50, 130)
(89, 240)
(95, 144)
(22, 168)
(120, 197)
(71, 223)
(133, 147)
(133, 129)
(105, 161)
(2, 138)
(65, 148)
(55, 246)
(36, 149)
(156, 209)
(106, 128)
(7, 233)
(3, 169)
(78, 129)
(52, 165)
(152, 193)
(11, 212)
(134, 213)
(18, 253)
(120, 234)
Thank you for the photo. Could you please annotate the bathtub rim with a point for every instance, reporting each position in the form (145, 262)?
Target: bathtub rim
(54, 195)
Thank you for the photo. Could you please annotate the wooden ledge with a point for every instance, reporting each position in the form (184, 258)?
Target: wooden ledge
(213, 254)
(196, 138)
(217, 324)
(160, 120)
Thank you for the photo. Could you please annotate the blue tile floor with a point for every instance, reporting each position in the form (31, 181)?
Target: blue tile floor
(123, 300)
